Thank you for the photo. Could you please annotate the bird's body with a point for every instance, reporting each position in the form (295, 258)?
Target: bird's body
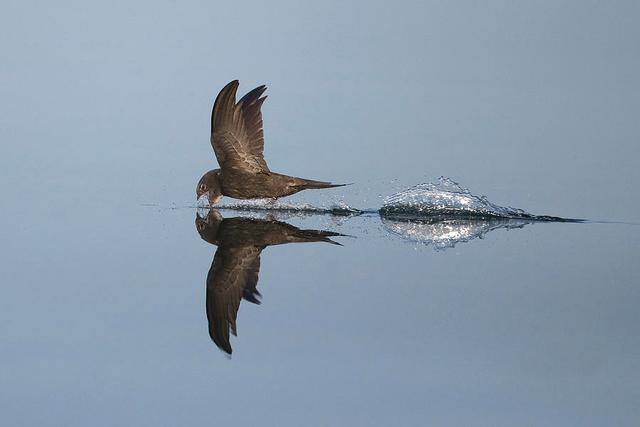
(242, 185)
(238, 142)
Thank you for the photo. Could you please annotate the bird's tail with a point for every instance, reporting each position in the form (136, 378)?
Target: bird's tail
(304, 184)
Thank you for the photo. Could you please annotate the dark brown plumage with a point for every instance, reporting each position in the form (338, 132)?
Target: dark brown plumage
(238, 142)
(233, 275)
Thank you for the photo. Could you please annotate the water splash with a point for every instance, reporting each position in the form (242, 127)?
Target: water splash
(278, 207)
(447, 199)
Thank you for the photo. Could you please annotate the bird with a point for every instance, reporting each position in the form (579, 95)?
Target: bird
(237, 138)
(234, 271)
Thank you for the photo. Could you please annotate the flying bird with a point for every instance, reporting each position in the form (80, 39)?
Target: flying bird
(238, 142)
(233, 275)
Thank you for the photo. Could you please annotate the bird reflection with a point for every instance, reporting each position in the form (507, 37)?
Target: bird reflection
(233, 275)
(444, 233)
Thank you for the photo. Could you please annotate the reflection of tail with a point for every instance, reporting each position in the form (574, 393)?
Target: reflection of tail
(305, 184)
(319, 236)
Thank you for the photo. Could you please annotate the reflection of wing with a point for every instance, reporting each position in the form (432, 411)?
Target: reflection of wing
(233, 275)
(236, 130)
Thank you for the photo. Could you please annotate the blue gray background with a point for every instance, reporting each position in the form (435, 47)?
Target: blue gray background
(105, 108)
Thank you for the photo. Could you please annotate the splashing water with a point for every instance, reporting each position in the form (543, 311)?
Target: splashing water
(265, 205)
(445, 199)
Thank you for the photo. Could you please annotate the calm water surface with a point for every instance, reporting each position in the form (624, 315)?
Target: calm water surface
(105, 322)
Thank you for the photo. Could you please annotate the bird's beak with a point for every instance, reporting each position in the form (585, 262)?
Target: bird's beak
(203, 200)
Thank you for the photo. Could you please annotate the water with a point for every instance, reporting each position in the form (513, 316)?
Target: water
(446, 199)
(142, 317)
(108, 308)
(437, 306)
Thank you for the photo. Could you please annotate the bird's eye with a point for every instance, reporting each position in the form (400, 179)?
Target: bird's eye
(203, 187)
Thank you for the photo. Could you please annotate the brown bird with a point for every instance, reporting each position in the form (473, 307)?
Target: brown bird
(233, 275)
(238, 142)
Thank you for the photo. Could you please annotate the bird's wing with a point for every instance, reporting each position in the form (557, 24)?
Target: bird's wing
(233, 275)
(236, 130)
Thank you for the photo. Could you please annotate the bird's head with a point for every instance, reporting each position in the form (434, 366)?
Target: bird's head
(209, 225)
(209, 187)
